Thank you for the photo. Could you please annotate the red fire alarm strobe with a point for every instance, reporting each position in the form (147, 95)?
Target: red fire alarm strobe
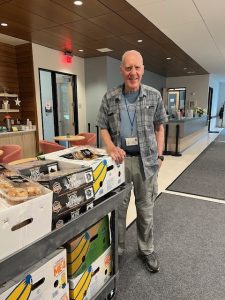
(69, 56)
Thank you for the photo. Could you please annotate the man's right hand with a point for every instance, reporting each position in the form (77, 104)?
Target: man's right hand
(116, 153)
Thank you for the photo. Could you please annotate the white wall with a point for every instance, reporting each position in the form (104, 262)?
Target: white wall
(49, 59)
(95, 86)
(154, 80)
(197, 88)
(114, 78)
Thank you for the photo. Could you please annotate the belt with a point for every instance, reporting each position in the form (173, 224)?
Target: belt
(132, 153)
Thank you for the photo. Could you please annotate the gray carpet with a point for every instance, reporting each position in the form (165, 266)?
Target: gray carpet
(190, 242)
(221, 136)
(205, 176)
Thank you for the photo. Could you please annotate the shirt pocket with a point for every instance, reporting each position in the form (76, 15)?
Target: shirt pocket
(148, 118)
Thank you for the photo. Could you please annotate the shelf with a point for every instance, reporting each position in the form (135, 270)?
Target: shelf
(9, 110)
(21, 260)
(6, 95)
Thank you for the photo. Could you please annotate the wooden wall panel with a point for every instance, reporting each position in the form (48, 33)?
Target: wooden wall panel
(8, 77)
(26, 83)
(8, 69)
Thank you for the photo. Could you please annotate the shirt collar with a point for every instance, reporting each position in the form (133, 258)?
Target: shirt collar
(121, 90)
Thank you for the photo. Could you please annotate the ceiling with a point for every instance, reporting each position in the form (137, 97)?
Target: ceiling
(117, 25)
(196, 26)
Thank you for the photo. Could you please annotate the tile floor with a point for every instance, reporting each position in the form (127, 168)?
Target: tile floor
(173, 166)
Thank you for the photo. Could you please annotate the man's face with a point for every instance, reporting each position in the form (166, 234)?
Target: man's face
(132, 71)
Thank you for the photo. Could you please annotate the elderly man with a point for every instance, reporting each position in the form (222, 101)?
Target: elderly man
(131, 120)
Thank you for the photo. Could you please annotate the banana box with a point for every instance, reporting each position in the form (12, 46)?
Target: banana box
(23, 223)
(86, 285)
(107, 175)
(35, 169)
(87, 247)
(45, 280)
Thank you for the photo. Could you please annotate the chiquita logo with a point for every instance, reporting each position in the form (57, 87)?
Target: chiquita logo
(99, 174)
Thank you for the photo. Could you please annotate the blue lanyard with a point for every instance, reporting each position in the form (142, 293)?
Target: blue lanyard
(131, 121)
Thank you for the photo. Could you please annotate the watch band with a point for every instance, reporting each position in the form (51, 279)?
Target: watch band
(161, 157)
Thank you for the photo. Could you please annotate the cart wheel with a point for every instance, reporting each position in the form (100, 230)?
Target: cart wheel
(111, 294)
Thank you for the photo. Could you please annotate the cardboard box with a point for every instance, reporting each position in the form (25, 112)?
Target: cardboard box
(5, 170)
(86, 285)
(72, 189)
(45, 280)
(35, 169)
(87, 247)
(22, 224)
(65, 180)
(107, 174)
(71, 214)
(71, 204)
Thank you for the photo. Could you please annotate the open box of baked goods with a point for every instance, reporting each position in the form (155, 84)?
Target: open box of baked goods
(25, 213)
(16, 189)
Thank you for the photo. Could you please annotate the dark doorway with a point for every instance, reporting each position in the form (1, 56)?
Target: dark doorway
(210, 117)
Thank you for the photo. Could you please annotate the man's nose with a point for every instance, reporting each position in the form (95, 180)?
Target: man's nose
(133, 70)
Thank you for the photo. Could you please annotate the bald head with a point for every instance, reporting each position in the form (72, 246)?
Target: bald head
(131, 53)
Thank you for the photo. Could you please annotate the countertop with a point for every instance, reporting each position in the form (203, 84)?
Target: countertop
(16, 132)
(184, 120)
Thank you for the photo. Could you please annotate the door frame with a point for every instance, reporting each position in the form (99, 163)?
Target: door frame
(54, 99)
(210, 99)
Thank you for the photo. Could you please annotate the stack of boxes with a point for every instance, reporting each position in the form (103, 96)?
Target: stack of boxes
(89, 261)
(72, 187)
(76, 177)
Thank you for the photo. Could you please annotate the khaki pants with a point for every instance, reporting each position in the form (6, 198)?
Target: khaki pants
(145, 192)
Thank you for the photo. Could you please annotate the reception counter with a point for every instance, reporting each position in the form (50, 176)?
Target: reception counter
(190, 130)
(26, 139)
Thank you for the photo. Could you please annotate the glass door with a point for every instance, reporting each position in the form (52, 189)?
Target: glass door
(65, 105)
(58, 104)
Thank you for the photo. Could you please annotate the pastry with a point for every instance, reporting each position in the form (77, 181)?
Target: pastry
(17, 194)
(33, 191)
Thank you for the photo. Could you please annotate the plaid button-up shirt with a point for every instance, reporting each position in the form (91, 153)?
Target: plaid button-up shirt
(150, 110)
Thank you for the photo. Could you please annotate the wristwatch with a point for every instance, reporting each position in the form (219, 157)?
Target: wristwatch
(161, 157)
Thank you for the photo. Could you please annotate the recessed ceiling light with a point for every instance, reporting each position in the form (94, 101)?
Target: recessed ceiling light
(191, 72)
(139, 41)
(104, 50)
(169, 58)
(4, 24)
(78, 3)
(185, 68)
(81, 50)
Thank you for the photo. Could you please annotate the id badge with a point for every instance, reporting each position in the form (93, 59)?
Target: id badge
(132, 141)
